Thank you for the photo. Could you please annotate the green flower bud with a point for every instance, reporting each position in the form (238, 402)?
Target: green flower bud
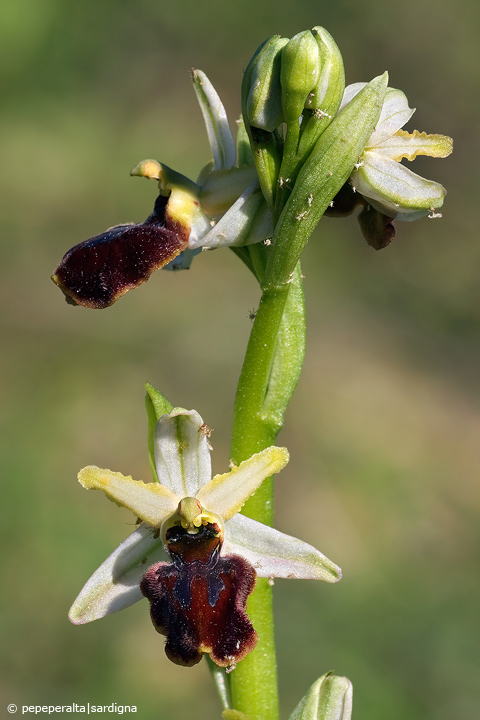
(324, 100)
(329, 698)
(264, 101)
(299, 73)
(328, 92)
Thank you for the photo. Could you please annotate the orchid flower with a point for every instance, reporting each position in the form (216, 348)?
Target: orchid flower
(224, 207)
(386, 184)
(198, 599)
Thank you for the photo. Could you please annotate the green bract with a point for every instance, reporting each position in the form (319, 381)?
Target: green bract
(321, 177)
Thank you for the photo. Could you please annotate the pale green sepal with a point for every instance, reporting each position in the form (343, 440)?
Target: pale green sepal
(321, 177)
(409, 145)
(329, 698)
(219, 134)
(274, 554)
(116, 583)
(225, 494)
(247, 221)
(182, 457)
(151, 502)
(264, 100)
(394, 186)
(395, 112)
(156, 406)
(182, 261)
(350, 92)
(222, 188)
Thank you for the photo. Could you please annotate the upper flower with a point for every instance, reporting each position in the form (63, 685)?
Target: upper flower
(225, 206)
(215, 551)
(384, 182)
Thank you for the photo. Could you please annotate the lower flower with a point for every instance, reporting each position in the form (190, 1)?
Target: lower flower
(198, 599)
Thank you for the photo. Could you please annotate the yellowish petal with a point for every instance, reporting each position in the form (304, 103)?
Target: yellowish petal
(151, 502)
(225, 494)
(408, 145)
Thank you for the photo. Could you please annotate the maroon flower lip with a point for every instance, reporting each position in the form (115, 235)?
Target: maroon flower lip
(198, 601)
(99, 270)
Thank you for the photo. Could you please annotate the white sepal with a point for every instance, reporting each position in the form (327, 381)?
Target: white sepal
(182, 457)
(116, 583)
(394, 186)
(395, 113)
(247, 221)
(219, 134)
(274, 554)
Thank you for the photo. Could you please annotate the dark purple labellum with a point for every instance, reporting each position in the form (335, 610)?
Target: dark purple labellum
(377, 229)
(98, 271)
(198, 601)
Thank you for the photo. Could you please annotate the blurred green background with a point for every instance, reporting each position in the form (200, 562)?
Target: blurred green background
(383, 430)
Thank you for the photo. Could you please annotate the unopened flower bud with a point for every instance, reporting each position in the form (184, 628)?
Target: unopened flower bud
(328, 92)
(299, 73)
(264, 100)
(329, 698)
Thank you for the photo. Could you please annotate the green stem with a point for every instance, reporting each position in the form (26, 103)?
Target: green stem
(269, 375)
(288, 168)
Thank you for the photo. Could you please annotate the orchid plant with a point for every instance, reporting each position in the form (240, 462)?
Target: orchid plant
(205, 551)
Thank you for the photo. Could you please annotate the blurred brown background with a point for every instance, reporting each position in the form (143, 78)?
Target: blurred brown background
(384, 427)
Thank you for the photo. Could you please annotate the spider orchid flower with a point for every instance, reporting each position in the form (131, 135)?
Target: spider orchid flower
(224, 207)
(387, 185)
(197, 599)
(387, 189)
